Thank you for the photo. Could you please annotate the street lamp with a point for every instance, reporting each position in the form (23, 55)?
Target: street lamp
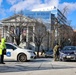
(69, 41)
(55, 33)
(48, 43)
(57, 37)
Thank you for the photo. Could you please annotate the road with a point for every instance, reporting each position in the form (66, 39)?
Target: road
(45, 66)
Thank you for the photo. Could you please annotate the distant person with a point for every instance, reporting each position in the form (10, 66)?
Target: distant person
(2, 50)
(43, 51)
(56, 52)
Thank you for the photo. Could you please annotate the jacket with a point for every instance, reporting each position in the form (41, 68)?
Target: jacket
(2, 45)
(55, 49)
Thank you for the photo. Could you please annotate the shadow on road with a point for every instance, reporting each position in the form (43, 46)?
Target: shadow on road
(19, 67)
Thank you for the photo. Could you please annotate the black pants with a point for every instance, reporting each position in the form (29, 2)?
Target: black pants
(2, 58)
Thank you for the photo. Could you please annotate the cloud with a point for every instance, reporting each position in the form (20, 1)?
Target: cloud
(12, 1)
(34, 4)
(47, 4)
(22, 5)
(0, 2)
(19, 5)
(70, 6)
(2, 12)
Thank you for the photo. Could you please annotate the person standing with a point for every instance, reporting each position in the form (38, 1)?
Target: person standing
(2, 48)
(56, 52)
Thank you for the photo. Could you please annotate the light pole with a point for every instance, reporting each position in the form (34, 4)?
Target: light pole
(48, 43)
(69, 41)
(57, 35)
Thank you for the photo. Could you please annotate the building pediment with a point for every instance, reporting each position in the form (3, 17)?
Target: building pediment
(18, 19)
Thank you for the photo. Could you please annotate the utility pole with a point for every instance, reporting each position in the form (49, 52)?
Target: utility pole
(48, 43)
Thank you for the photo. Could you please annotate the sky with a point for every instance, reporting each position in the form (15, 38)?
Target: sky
(9, 7)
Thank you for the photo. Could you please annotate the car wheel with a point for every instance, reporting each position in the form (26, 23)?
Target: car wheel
(63, 59)
(21, 57)
(45, 56)
(60, 59)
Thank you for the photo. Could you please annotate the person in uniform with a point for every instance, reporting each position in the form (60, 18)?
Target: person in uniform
(56, 52)
(2, 48)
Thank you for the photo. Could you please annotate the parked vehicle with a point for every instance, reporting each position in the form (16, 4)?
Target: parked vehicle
(49, 53)
(68, 53)
(14, 52)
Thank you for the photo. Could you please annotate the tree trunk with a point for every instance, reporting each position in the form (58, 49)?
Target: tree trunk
(38, 51)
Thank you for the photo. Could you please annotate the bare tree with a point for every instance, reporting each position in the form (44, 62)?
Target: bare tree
(20, 20)
(65, 35)
(62, 29)
(65, 10)
(74, 38)
(39, 35)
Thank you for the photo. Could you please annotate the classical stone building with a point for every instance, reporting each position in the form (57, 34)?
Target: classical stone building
(24, 29)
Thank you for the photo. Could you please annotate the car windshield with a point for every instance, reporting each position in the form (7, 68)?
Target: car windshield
(9, 46)
(18, 46)
(69, 48)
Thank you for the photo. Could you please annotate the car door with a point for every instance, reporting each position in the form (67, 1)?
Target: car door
(10, 51)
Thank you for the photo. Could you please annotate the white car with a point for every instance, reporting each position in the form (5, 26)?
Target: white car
(14, 52)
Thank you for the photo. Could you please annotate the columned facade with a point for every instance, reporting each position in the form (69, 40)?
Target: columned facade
(23, 29)
(33, 34)
(27, 36)
(14, 28)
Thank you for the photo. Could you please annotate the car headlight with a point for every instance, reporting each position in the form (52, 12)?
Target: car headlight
(62, 54)
(75, 52)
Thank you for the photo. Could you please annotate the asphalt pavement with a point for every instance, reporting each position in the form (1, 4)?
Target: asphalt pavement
(38, 67)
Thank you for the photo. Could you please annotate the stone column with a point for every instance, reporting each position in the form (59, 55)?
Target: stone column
(27, 41)
(33, 34)
(8, 28)
(27, 34)
(3, 32)
(8, 34)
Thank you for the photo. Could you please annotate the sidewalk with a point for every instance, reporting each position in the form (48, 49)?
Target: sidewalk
(44, 72)
(50, 68)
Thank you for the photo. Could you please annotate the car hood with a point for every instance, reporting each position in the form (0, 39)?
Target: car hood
(21, 49)
(69, 51)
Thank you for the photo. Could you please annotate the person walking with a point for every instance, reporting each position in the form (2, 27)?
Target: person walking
(56, 52)
(2, 50)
